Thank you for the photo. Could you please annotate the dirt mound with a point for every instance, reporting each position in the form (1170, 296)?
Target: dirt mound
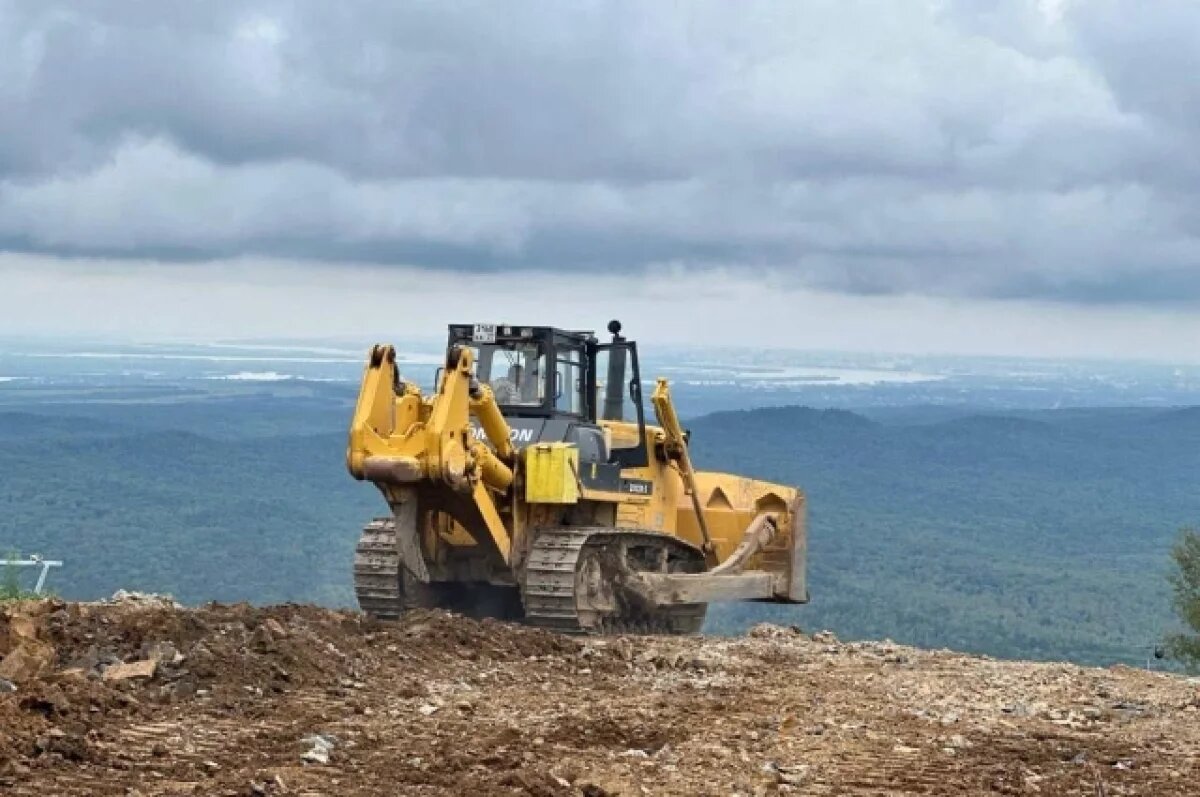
(75, 669)
(137, 696)
(76, 663)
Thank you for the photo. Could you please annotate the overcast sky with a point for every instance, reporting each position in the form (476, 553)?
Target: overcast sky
(1015, 177)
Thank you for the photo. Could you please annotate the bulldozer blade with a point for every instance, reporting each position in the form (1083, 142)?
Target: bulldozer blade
(729, 581)
(670, 589)
(797, 556)
(408, 534)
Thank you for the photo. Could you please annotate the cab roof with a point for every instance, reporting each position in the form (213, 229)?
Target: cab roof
(523, 331)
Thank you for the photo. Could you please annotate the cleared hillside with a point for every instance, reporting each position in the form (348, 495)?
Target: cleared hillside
(139, 697)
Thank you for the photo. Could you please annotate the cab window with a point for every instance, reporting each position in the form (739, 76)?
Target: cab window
(618, 399)
(569, 384)
(515, 372)
(615, 404)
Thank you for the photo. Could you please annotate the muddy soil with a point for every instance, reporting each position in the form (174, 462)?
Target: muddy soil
(140, 697)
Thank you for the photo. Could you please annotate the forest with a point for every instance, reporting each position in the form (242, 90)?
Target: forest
(1039, 534)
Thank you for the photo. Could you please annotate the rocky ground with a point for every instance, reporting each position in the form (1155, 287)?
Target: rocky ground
(136, 696)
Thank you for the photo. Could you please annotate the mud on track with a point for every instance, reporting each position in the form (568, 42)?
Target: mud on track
(227, 700)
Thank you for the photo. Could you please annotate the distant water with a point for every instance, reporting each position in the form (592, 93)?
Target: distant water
(708, 379)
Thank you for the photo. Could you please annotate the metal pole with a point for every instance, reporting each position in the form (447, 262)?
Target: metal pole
(41, 582)
(34, 561)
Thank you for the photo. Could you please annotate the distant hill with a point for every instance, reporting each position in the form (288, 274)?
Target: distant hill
(1027, 534)
(31, 426)
(1185, 418)
(266, 519)
(1040, 536)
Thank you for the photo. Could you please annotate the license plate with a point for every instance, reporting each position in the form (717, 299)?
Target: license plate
(484, 333)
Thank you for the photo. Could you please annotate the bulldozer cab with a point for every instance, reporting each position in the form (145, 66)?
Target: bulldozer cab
(565, 375)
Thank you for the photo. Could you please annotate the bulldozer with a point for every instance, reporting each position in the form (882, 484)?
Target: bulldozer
(529, 485)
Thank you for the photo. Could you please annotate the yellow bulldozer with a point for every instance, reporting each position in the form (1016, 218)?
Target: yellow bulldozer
(529, 485)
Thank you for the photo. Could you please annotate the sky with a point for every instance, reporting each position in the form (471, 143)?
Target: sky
(923, 176)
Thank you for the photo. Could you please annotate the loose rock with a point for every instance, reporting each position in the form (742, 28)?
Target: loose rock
(321, 747)
(136, 669)
(26, 661)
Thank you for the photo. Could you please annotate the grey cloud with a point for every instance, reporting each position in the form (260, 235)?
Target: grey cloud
(962, 148)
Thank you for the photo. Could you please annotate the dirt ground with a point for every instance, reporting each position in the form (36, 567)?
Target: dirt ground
(139, 697)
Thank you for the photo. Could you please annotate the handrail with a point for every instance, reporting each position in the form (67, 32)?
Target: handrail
(34, 561)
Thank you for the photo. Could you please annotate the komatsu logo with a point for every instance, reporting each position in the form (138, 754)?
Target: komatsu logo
(514, 435)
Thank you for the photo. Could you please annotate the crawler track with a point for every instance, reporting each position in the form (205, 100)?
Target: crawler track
(551, 596)
(555, 596)
(377, 581)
